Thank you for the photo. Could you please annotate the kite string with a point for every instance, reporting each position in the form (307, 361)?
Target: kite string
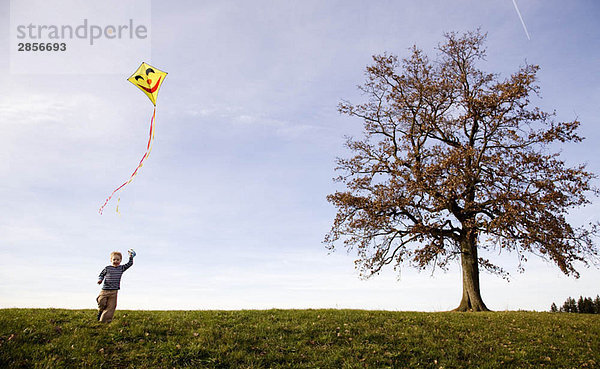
(135, 172)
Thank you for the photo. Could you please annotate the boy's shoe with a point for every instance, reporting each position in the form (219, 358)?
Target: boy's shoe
(99, 314)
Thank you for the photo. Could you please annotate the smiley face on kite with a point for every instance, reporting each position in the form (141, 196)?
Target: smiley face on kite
(140, 81)
(148, 79)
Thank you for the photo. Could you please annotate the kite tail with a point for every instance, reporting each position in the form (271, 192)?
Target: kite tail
(135, 172)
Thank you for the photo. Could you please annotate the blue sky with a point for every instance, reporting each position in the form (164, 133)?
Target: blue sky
(229, 211)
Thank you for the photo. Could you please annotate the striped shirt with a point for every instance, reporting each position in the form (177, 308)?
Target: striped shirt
(112, 275)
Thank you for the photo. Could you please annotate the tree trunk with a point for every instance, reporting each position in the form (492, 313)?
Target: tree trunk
(471, 299)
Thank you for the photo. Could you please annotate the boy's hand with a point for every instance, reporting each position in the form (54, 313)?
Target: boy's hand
(99, 282)
(131, 253)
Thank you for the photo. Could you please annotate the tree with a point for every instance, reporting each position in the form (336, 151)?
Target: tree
(581, 305)
(585, 305)
(455, 160)
(570, 306)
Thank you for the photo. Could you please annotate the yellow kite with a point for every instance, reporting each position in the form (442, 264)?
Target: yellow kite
(148, 79)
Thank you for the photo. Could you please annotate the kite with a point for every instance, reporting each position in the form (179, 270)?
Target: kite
(148, 79)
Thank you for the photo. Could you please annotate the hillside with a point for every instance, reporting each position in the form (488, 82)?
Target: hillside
(54, 338)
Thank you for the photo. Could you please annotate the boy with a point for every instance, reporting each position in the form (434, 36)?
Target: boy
(107, 300)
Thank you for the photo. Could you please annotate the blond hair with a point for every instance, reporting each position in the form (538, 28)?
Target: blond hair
(116, 253)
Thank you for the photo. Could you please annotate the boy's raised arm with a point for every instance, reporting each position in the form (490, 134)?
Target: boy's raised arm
(130, 262)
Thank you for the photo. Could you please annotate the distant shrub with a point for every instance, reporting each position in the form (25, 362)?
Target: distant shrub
(584, 305)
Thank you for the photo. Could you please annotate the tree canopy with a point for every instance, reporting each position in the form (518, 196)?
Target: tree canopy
(455, 160)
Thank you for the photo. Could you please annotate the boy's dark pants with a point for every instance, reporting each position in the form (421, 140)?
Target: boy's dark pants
(107, 303)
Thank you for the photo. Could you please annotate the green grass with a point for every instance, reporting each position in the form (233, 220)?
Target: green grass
(54, 338)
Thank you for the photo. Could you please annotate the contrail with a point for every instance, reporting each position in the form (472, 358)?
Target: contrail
(521, 18)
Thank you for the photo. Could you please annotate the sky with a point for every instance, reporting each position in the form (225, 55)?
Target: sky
(230, 210)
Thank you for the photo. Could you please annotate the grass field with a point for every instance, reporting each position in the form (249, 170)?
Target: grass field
(54, 338)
